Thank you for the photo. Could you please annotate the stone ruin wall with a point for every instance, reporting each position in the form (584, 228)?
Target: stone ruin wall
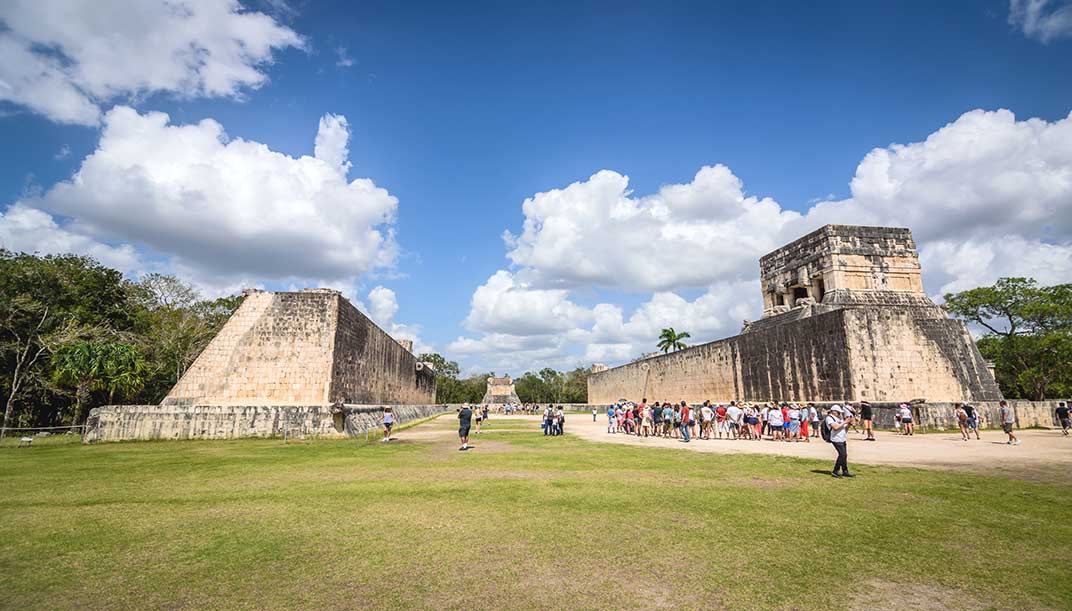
(159, 422)
(371, 367)
(275, 349)
(845, 318)
(888, 354)
(303, 348)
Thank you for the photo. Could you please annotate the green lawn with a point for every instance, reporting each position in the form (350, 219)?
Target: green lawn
(522, 521)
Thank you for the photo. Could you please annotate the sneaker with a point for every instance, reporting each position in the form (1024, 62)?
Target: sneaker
(847, 475)
(1008, 443)
(1016, 443)
(836, 474)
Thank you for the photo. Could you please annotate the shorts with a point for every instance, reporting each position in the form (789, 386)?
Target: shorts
(733, 426)
(463, 431)
(906, 420)
(753, 421)
(388, 425)
(1066, 423)
(1007, 427)
(973, 423)
(785, 425)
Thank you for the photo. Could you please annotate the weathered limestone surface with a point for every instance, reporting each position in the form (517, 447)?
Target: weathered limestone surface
(127, 422)
(303, 348)
(845, 318)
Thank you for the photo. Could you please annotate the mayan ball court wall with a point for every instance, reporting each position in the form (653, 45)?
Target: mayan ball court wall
(845, 318)
(307, 359)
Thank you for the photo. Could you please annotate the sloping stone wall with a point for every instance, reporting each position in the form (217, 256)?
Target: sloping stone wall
(309, 347)
(371, 367)
(145, 422)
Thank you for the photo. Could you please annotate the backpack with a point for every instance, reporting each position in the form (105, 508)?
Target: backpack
(824, 430)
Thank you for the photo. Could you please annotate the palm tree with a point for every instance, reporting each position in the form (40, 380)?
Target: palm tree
(88, 365)
(670, 339)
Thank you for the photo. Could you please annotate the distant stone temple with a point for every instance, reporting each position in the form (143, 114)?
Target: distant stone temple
(844, 318)
(500, 392)
(288, 363)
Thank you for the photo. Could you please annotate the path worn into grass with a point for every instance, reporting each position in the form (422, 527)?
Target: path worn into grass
(1042, 455)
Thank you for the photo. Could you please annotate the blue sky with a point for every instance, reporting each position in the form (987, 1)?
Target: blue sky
(462, 111)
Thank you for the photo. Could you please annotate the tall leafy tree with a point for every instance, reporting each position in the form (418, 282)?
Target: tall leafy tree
(1028, 334)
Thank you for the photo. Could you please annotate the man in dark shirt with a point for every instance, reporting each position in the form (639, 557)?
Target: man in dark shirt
(973, 419)
(465, 418)
(865, 415)
(1062, 416)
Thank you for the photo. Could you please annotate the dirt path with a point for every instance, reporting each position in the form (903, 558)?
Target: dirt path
(1042, 453)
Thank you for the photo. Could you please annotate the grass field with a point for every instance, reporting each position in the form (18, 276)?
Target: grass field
(522, 521)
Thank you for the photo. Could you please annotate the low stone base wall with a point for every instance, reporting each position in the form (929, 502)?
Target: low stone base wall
(128, 422)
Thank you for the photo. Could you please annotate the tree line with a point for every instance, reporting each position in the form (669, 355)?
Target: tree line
(544, 386)
(75, 334)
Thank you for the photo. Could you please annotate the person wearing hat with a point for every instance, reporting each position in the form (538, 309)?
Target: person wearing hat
(839, 423)
(465, 419)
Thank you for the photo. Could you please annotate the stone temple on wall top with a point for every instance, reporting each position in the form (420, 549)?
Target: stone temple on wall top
(845, 318)
(500, 391)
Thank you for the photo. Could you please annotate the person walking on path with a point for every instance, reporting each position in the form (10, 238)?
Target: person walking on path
(973, 420)
(1008, 419)
(962, 420)
(685, 417)
(388, 422)
(866, 415)
(594, 412)
(1063, 418)
(465, 419)
(838, 425)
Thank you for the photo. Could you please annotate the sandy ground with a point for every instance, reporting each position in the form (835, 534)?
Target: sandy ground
(1044, 454)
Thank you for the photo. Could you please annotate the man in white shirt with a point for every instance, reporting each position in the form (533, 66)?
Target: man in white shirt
(839, 424)
(774, 420)
(735, 416)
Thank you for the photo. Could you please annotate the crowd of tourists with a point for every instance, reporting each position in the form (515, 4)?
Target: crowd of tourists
(773, 421)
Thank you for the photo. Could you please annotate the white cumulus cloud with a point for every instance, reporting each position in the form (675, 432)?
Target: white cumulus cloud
(64, 59)
(226, 211)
